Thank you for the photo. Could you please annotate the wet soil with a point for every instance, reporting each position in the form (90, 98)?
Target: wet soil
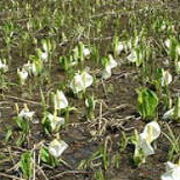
(119, 97)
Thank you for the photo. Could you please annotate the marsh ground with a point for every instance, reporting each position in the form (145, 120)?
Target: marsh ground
(99, 145)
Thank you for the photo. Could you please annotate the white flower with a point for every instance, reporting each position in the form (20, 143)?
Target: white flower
(81, 81)
(56, 147)
(3, 66)
(33, 68)
(167, 43)
(108, 67)
(26, 114)
(120, 47)
(28, 67)
(86, 52)
(106, 73)
(132, 57)
(166, 78)
(60, 101)
(174, 112)
(163, 26)
(44, 56)
(23, 75)
(76, 84)
(151, 132)
(172, 172)
(169, 114)
(55, 121)
(111, 63)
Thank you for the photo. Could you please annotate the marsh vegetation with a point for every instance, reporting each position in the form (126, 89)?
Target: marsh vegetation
(89, 90)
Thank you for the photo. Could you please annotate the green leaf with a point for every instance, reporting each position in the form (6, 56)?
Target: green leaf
(26, 164)
(147, 103)
(177, 109)
(8, 134)
(23, 124)
(47, 158)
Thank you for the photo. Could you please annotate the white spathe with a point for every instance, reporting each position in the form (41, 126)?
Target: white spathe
(26, 114)
(167, 43)
(60, 100)
(55, 121)
(86, 52)
(169, 114)
(151, 132)
(44, 56)
(106, 73)
(132, 57)
(172, 172)
(57, 147)
(108, 67)
(23, 75)
(32, 68)
(166, 78)
(3, 66)
(111, 63)
(28, 67)
(81, 81)
(119, 48)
